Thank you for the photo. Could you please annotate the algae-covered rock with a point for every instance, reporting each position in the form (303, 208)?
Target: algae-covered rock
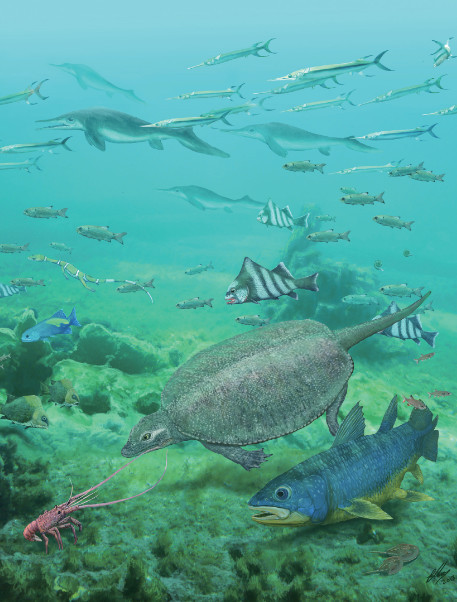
(148, 403)
(98, 346)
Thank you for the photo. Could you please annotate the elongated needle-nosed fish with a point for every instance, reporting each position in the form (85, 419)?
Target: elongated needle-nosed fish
(88, 78)
(443, 52)
(25, 94)
(356, 476)
(102, 125)
(228, 93)
(449, 111)
(301, 84)
(398, 134)
(203, 199)
(338, 69)
(244, 108)
(367, 168)
(323, 104)
(238, 54)
(400, 92)
(185, 122)
(282, 138)
(25, 165)
(32, 147)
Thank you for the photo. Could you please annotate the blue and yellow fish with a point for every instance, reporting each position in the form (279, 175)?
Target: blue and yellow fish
(58, 323)
(355, 476)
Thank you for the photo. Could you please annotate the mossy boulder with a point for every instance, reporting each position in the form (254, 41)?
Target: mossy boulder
(98, 346)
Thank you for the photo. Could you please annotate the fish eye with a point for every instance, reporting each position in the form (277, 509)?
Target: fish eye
(146, 436)
(232, 290)
(70, 119)
(59, 512)
(283, 493)
(74, 396)
(44, 419)
(27, 336)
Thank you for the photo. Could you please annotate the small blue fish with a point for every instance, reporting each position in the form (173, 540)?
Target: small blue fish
(58, 323)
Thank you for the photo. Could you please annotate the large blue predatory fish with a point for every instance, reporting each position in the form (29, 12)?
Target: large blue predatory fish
(355, 476)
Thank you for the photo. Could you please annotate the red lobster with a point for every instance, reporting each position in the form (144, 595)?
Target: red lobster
(58, 518)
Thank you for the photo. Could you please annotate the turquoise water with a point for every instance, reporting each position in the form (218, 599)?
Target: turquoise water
(192, 538)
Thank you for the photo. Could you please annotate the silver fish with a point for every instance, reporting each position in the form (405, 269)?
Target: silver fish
(194, 303)
(328, 236)
(392, 221)
(199, 269)
(238, 54)
(252, 320)
(25, 94)
(399, 134)
(394, 94)
(323, 104)
(228, 93)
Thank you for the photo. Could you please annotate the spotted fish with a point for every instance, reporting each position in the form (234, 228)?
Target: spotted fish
(255, 283)
(272, 215)
(408, 328)
(7, 290)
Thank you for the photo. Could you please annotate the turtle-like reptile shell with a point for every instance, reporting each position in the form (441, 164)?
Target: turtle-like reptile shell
(259, 385)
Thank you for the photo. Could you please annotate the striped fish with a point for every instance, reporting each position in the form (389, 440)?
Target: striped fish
(272, 215)
(408, 328)
(7, 290)
(255, 283)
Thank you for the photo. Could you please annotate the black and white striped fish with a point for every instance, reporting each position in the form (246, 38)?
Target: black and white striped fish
(272, 215)
(255, 283)
(7, 290)
(408, 328)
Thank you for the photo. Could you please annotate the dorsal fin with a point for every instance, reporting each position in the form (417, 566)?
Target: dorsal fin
(352, 427)
(58, 314)
(281, 270)
(389, 417)
(287, 210)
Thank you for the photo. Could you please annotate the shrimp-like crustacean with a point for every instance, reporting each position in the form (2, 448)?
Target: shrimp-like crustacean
(58, 518)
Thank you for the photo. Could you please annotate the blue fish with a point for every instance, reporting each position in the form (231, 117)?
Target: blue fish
(355, 476)
(7, 290)
(58, 323)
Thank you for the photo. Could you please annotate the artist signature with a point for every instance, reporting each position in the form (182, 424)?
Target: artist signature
(440, 575)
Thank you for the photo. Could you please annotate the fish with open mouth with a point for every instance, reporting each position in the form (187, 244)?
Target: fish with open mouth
(255, 283)
(353, 478)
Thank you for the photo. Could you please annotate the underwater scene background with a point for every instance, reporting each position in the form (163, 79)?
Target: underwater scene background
(192, 537)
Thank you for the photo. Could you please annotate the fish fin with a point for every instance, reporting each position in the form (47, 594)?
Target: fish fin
(287, 211)
(72, 319)
(377, 61)
(119, 236)
(281, 270)
(417, 473)
(325, 150)
(59, 314)
(64, 143)
(67, 330)
(196, 204)
(411, 496)
(429, 337)
(431, 132)
(302, 221)
(94, 140)
(208, 302)
(408, 226)
(155, 143)
(275, 147)
(345, 235)
(332, 411)
(417, 291)
(309, 283)
(292, 294)
(352, 427)
(365, 509)
(389, 417)
(188, 138)
(430, 443)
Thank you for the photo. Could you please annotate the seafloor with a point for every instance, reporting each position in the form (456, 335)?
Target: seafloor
(192, 538)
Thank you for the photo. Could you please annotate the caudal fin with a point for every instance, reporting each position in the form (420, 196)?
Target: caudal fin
(238, 90)
(208, 302)
(302, 221)
(377, 61)
(320, 167)
(380, 198)
(431, 132)
(408, 227)
(417, 291)
(72, 319)
(308, 283)
(440, 177)
(429, 337)
(266, 46)
(24, 247)
(149, 283)
(345, 235)
(119, 236)
(62, 212)
(64, 143)
(38, 93)
(438, 82)
(41, 282)
(347, 98)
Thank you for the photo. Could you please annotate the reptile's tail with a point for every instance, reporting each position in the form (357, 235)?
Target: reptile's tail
(422, 420)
